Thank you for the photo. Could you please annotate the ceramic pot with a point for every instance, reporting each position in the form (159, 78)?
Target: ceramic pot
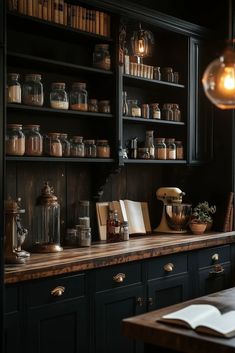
(197, 228)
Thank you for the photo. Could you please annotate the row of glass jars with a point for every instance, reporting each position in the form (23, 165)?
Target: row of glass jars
(32, 94)
(162, 149)
(28, 141)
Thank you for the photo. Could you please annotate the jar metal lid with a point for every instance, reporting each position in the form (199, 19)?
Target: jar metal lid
(77, 138)
(93, 101)
(160, 139)
(170, 140)
(64, 135)
(31, 126)
(14, 126)
(54, 134)
(13, 74)
(58, 84)
(34, 76)
(102, 141)
(89, 142)
(104, 102)
(79, 85)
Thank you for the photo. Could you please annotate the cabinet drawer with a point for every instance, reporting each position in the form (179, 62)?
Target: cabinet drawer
(169, 265)
(208, 257)
(56, 289)
(12, 299)
(118, 276)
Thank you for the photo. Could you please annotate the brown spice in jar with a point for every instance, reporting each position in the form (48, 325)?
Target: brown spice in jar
(15, 146)
(33, 99)
(102, 149)
(55, 149)
(33, 146)
(80, 106)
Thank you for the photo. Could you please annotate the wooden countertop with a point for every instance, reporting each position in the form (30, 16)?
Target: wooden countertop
(145, 328)
(101, 255)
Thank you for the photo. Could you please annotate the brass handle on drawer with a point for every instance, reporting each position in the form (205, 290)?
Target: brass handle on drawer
(150, 301)
(169, 267)
(139, 301)
(218, 270)
(119, 278)
(215, 257)
(58, 291)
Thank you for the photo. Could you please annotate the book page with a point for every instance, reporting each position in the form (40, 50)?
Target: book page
(193, 315)
(224, 324)
(135, 217)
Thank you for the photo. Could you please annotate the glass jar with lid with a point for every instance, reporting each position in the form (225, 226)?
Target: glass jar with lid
(179, 150)
(90, 148)
(157, 73)
(33, 140)
(32, 90)
(54, 148)
(101, 57)
(167, 74)
(149, 143)
(170, 148)
(93, 105)
(167, 112)
(65, 145)
(58, 96)
(104, 106)
(78, 97)
(15, 140)
(160, 148)
(143, 153)
(176, 112)
(13, 88)
(102, 149)
(133, 108)
(77, 147)
(155, 112)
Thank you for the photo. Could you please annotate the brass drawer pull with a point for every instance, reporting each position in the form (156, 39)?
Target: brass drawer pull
(169, 267)
(215, 257)
(217, 270)
(140, 301)
(119, 278)
(58, 291)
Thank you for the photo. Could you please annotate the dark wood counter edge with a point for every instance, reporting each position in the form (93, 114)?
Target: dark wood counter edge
(102, 255)
(145, 328)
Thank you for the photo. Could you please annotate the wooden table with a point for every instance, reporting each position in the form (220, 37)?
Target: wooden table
(159, 337)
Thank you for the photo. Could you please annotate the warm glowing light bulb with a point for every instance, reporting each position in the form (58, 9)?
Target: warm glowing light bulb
(228, 79)
(141, 46)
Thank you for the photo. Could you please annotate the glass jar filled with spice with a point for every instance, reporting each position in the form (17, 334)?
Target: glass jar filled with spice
(65, 145)
(170, 148)
(13, 88)
(155, 112)
(78, 96)
(176, 112)
(133, 108)
(101, 57)
(58, 96)
(179, 150)
(102, 149)
(93, 105)
(143, 153)
(104, 106)
(167, 112)
(54, 148)
(167, 74)
(160, 148)
(90, 148)
(157, 73)
(15, 140)
(33, 140)
(77, 147)
(32, 90)
(149, 143)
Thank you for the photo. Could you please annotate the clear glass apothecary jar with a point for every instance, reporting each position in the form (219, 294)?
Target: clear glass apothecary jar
(33, 140)
(32, 90)
(58, 96)
(53, 144)
(90, 148)
(77, 147)
(13, 88)
(170, 148)
(15, 140)
(133, 108)
(78, 96)
(160, 148)
(65, 145)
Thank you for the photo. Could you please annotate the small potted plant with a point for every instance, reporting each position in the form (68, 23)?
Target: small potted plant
(201, 217)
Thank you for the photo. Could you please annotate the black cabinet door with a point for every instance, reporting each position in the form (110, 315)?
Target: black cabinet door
(59, 327)
(110, 308)
(211, 282)
(165, 292)
(12, 333)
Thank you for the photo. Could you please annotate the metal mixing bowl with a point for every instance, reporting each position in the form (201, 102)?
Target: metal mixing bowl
(178, 215)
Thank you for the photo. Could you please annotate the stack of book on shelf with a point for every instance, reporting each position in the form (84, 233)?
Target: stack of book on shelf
(134, 212)
(61, 12)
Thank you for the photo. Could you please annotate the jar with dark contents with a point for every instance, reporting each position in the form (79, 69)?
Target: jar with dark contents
(160, 148)
(65, 145)
(167, 74)
(33, 140)
(104, 106)
(155, 112)
(102, 149)
(32, 90)
(167, 112)
(93, 105)
(77, 148)
(90, 148)
(15, 140)
(176, 112)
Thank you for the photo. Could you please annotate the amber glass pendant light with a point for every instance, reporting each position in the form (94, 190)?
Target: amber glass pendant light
(219, 77)
(142, 42)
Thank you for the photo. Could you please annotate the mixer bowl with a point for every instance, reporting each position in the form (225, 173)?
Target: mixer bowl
(178, 215)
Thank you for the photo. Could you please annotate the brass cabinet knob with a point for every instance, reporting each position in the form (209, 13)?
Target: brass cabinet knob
(119, 278)
(215, 257)
(58, 291)
(169, 267)
(140, 301)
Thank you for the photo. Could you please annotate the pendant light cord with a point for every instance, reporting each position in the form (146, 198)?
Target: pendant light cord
(230, 21)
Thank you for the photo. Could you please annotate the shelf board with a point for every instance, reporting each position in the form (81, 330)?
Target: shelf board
(131, 78)
(53, 29)
(58, 159)
(152, 121)
(153, 161)
(75, 113)
(25, 59)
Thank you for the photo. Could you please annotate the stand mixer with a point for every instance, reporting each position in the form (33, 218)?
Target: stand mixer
(175, 214)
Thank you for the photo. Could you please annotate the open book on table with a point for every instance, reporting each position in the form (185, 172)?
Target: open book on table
(134, 212)
(203, 318)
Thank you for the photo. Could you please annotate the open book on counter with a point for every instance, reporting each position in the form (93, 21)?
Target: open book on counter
(134, 212)
(203, 318)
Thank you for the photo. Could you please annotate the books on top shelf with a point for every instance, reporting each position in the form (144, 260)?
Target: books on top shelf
(61, 12)
(203, 318)
(134, 212)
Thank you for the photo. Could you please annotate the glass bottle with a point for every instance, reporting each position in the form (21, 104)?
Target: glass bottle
(54, 148)
(104, 106)
(77, 147)
(133, 148)
(90, 148)
(145, 111)
(167, 112)
(84, 213)
(15, 140)
(149, 143)
(113, 227)
(32, 90)
(179, 150)
(58, 96)
(65, 145)
(176, 112)
(167, 74)
(124, 103)
(176, 77)
(170, 148)
(156, 73)
(101, 57)
(124, 231)
(160, 148)
(13, 88)
(102, 149)
(143, 153)
(133, 108)
(78, 96)
(155, 112)
(93, 105)
(33, 140)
